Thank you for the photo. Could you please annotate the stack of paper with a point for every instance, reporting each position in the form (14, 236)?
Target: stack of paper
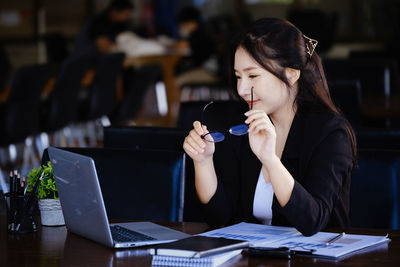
(197, 251)
(210, 261)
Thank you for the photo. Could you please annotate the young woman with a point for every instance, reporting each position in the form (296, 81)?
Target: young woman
(293, 167)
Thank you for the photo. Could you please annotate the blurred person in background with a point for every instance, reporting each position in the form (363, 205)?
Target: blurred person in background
(99, 36)
(199, 65)
(100, 32)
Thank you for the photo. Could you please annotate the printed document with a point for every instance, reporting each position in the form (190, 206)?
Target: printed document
(255, 234)
(266, 236)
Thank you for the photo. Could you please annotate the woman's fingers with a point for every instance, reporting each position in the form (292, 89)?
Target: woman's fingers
(255, 114)
(193, 142)
(189, 149)
(196, 142)
(192, 146)
(197, 138)
(198, 127)
(260, 126)
(258, 120)
(257, 124)
(195, 146)
(205, 131)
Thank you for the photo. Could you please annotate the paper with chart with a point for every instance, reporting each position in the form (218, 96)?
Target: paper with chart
(347, 244)
(267, 236)
(255, 234)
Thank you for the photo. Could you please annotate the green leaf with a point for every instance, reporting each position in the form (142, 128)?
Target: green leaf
(47, 187)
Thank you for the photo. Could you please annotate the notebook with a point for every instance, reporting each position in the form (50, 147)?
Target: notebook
(210, 261)
(84, 211)
(198, 246)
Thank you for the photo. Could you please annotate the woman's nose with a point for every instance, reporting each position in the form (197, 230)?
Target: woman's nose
(244, 89)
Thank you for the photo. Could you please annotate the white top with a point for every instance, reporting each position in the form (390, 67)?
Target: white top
(262, 204)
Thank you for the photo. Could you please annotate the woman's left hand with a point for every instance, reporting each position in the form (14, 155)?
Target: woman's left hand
(262, 135)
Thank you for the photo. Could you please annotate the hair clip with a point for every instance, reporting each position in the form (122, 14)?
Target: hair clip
(310, 45)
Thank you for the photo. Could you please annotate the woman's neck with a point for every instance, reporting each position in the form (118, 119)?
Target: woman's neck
(283, 118)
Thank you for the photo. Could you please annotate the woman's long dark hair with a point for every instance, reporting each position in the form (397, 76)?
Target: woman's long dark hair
(277, 44)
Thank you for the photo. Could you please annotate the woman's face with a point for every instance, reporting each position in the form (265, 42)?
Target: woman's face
(270, 94)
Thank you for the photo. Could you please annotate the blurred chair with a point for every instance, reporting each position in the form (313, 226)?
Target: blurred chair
(21, 114)
(380, 139)
(378, 77)
(346, 94)
(102, 95)
(158, 138)
(101, 101)
(140, 184)
(374, 194)
(63, 102)
(137, 137)
(137, 82)
(378, 80)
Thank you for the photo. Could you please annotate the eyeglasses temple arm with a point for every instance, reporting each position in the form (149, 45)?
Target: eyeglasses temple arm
(251, 104)
(202, 113)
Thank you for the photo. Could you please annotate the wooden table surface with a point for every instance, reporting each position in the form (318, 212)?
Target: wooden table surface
(55, 246)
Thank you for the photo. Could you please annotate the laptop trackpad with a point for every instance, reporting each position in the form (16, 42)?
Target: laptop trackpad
(154, 230)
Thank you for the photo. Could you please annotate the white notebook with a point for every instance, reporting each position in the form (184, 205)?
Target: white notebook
(210, 261)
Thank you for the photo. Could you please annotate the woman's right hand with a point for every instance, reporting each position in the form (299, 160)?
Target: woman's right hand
(195, 146)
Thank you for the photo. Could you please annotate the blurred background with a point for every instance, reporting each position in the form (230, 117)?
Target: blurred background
(137, 73)
(354, 25)
(68, 68)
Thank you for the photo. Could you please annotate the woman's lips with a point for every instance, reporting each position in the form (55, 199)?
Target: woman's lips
(254, 102)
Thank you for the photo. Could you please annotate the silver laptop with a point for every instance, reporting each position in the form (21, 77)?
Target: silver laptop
(84, 211)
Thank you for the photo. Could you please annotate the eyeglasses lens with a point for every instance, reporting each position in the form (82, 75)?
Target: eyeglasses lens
(239, 129)
(214, 137)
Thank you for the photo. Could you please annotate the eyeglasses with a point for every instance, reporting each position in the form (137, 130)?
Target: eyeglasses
(218, 136)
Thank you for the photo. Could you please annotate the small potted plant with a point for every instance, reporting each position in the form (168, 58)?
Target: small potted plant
(47, 195)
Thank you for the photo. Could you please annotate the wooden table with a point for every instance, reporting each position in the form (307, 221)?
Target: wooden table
(167, 63)
(54, 246)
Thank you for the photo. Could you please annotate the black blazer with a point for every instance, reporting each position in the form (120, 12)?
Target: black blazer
(317, 154)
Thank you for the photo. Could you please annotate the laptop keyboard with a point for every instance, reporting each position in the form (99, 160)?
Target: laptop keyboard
(121, 234)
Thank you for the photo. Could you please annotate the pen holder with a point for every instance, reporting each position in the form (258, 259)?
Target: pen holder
(19, 220)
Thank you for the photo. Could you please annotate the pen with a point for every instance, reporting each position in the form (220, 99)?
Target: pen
(336, 238)
(11, 182)
(25, 185)
(11, 216)
(29, 201)
(16, 181)
(20, 188)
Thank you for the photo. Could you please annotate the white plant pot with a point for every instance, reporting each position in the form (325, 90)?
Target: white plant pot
(51, 212)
